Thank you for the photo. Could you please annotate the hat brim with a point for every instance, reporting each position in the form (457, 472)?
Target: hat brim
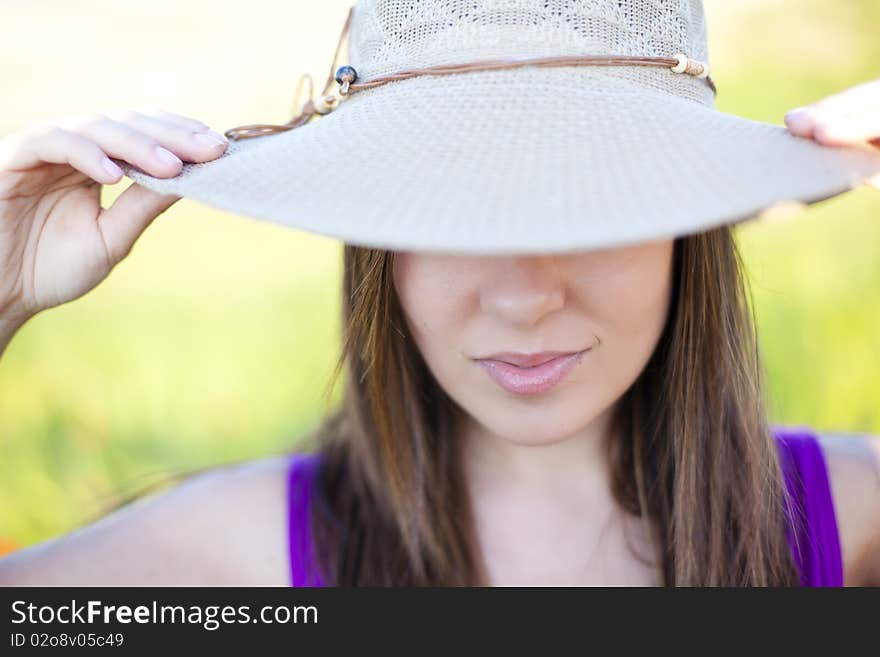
(514, 161)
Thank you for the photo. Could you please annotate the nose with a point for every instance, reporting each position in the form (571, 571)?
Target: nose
(523, 290)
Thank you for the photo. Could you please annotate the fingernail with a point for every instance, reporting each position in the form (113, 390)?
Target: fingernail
(219, 136)
(798, 117)
(111, 167)
(167, 156)
(209, 138)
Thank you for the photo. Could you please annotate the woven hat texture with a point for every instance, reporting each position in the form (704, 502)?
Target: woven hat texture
(531, 159)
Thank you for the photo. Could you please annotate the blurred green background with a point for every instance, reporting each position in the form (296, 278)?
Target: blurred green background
(213, 340)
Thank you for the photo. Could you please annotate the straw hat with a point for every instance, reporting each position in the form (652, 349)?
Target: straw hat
(539, 126)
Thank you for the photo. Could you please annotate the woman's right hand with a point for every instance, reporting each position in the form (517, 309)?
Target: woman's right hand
(56, 241)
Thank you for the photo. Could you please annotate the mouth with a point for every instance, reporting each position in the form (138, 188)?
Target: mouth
(530, 374)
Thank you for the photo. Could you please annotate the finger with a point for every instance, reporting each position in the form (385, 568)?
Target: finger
(865, 96)
(128, 217)
(801, 122)
(840, 131)
(834, 129)
(143, 149)
(31, 147)
(183, 121)
(850, 116)
(122, 142)
(176, 135)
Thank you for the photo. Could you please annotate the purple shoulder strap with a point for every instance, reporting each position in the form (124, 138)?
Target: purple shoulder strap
(300, 475)
(812, 529)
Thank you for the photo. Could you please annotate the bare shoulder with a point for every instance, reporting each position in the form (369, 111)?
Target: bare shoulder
(853, 463)
(222, 527)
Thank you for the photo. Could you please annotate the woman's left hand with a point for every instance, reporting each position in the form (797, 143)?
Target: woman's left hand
(847, 118)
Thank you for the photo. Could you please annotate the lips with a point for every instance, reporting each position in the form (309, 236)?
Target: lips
(527, 360)
(532, 373)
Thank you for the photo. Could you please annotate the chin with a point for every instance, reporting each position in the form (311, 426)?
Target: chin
(535, 440)
(536, 425)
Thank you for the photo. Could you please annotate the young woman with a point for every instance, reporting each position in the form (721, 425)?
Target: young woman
(591, 417)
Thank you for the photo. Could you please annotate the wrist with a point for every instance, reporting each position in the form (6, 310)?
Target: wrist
(9, 326)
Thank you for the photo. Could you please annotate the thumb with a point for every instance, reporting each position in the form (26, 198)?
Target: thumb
(128, 217)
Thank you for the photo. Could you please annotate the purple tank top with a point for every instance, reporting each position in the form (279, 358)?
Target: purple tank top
(300, 475)
(813, 538)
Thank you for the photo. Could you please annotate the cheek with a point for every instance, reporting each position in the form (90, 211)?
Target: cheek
(630, 315)
(636, 308)
(421, 317)
(432, 302)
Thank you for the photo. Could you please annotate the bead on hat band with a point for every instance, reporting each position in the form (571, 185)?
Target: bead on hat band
(346, 78)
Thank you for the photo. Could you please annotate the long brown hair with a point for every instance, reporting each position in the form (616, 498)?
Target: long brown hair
(695, 455)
